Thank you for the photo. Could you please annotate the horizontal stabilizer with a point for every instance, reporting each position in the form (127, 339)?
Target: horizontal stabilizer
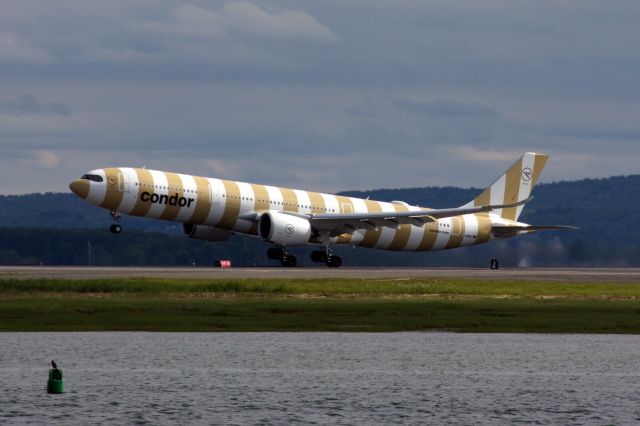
(513, 230)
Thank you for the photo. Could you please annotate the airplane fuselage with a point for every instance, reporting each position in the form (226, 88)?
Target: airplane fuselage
(233, 206)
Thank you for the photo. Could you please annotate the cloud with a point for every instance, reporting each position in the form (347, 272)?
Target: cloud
(15, 49)
(586, 131)
(331, 95)
(219, 167)
(446, 108)
(29, 104)
(160, 34)
(239, 20)
(474, 154)
(46, 159)
(237, 33)
(247, 20)
(365, 109)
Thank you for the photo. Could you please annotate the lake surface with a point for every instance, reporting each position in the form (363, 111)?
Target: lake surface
(321, 378)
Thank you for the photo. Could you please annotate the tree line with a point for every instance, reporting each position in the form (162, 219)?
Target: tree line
(97, 247)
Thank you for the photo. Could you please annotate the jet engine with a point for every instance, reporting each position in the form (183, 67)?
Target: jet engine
(284, 229)
(206, 233)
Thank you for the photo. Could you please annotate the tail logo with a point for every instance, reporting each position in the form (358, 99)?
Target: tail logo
(527, 173)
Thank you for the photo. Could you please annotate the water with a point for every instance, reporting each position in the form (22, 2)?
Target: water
(325, 378)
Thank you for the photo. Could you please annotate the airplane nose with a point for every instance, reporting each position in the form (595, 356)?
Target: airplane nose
(80, 187)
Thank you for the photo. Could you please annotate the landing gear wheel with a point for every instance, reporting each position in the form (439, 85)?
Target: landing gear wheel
(334, 261)
(115, 228)
(289, 261)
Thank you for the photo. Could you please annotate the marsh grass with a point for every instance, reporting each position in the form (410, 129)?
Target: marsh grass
(319, 305)
(324, 287)
(277, 314)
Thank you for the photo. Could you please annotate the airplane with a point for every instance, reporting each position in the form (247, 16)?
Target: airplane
(214, 210)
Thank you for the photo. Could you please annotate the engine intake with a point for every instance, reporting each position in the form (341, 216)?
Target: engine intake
(284, 229)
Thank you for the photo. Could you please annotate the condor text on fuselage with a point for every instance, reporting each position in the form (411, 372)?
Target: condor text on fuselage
(215, 209)
(174, 200)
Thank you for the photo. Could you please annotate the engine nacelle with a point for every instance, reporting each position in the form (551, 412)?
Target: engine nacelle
(284, 229)
(206, 233)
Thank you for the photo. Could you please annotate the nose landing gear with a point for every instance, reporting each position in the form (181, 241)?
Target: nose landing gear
(115, 228)
(281, 254)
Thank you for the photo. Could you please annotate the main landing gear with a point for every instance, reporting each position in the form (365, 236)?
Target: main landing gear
(327, 257)
(115, 228)
(281, 254)
(318, 256)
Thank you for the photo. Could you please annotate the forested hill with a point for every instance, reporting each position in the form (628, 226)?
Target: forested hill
(34, 228)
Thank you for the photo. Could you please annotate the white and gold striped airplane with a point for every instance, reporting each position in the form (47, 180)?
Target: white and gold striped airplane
(215, 209)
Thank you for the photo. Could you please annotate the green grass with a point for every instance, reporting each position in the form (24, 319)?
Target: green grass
(319, 305)
(251, 314)
(324, 287)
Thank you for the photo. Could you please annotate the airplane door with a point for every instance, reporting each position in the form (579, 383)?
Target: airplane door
(456, 226)
(125, 183)
(120, 182)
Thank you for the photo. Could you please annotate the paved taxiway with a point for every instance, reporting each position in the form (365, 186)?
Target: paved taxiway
(544, 274)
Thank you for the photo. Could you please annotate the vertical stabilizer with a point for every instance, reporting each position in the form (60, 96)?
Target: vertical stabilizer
(513, 186)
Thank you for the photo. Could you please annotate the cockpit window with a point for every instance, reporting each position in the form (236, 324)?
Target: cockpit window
(95, 178)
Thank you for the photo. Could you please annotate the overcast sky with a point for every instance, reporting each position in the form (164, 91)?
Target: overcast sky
(325, 95)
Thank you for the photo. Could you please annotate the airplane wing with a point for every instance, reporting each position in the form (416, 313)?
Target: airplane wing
(340, 223)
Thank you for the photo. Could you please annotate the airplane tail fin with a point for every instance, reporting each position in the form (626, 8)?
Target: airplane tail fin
(513, 186)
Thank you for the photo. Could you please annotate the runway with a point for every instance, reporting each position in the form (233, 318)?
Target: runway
(612, 275)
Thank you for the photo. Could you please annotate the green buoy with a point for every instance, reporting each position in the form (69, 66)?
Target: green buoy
(55, 384)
